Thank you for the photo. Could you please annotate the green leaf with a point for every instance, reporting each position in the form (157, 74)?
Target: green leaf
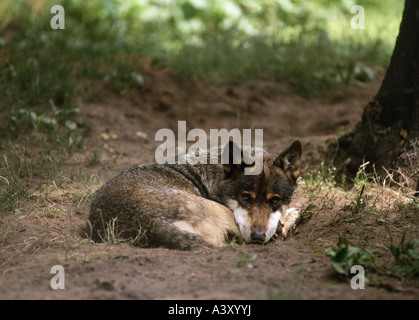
(71, 125)
(189, 11)
(353, 250)
(341, 255)
(339, 268)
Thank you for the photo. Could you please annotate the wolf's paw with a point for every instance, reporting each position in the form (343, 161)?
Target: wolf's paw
(289, 219)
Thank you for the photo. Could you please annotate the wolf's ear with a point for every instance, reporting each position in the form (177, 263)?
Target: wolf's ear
(232, 159)
(289, 160)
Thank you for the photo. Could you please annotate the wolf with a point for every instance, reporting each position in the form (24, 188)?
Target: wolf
(188, 206)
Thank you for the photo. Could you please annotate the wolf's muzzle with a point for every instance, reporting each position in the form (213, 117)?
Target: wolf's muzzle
(258, 236)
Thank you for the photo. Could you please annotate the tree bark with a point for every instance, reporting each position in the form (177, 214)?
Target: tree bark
(388, 134)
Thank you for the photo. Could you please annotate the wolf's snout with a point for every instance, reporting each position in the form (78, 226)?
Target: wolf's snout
(258, 236)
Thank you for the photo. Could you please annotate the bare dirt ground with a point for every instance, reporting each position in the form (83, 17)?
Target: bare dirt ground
(50, 228)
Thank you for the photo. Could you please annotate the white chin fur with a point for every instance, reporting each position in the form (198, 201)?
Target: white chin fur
(242, 218)
(273, 224)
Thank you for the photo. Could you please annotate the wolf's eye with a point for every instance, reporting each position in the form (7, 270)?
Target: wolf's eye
(275, 200)
(245, 196)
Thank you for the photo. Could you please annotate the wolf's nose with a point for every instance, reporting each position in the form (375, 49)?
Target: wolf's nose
(258, 236)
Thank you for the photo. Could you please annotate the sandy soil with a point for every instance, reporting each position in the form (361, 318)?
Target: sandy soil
(49, 229)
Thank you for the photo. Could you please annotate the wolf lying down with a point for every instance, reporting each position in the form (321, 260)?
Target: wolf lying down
(186, 206)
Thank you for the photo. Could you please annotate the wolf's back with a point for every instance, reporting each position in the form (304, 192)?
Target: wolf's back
(158, 206)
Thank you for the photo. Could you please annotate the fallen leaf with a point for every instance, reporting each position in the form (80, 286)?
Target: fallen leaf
(105, 136)
(141, 134)
(108, 148)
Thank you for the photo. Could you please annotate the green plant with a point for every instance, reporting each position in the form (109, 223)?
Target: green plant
(235, 241)
(408, 211)
(306, 213)
(123, 77)
(360, 205)
(344, 257)
(245, 260)
(303, 43)
(324, 177)
(13, 189)
(26, 118)
(406, 257)
(366, 177)
(95, 159)
(23, 171)
(42, 69)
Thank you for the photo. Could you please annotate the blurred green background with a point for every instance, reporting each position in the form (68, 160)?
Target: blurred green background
(307, 45)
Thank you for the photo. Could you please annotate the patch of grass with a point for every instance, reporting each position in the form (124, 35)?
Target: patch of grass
(308, 45)
(14, 190)
(96, 157)
(123, 78)
(362, 179)
(52, 211)
(306, 213)
(312, 65)
(408, 211)
(42, 69)
(55, 126)
(117, 258)
(37, 67)
(360, 205)
(30, 160)
(365, 176)
(86, 187)
(40, 73)
(18, 170)
(83, 196)
(245, 260)
(323, 178)
(113, 235)
(236, 241)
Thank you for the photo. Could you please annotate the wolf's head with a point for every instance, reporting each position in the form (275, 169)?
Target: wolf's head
(258, 201)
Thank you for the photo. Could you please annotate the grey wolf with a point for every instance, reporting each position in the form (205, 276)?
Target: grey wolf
(186, 206)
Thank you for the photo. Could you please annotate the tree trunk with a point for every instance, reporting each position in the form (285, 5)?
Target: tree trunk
(388, 134)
